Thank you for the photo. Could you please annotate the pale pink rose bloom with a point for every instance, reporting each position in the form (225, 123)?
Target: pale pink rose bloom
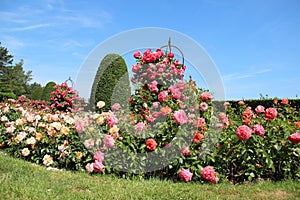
(240, 103)
(98, 155)
(79, 126)
(185, 175)
(61, 148)
(10, 129)
(258, 129)
(109, 141)
(185, 151)
(90, 167)
(259, 109)
(153, 86)
(111, 120)
(47, 160)
(25, 152)
(199, 122)
(31, 141)
(176, 94)
(140, 126)
(180, 117)
(116, 106)
(243, 132)
(89, 144)
(155, 104)
(226, 104)
(203, 106)
(208, 173)
(205, 96)
(98, 166)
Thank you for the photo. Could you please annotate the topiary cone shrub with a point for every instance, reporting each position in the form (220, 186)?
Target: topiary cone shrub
(111, 83)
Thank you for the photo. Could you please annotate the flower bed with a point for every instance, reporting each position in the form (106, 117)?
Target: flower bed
(169, 129)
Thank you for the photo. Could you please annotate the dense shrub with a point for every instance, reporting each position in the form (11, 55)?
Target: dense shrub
(111, 83)
(7, 95)
(47, 90)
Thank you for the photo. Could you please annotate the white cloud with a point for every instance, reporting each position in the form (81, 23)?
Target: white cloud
(234, 76)
(26, 28)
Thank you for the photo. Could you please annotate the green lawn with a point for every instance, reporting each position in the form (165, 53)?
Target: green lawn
(23, 180)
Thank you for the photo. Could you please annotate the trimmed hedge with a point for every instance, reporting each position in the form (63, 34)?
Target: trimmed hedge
(47, 90)
(111, 83)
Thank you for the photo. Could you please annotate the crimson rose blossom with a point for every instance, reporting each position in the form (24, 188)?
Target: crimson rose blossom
(258, 129)
(137, 54)
(243, 132)
(271, 113)
(199, 122)
(151, 144)
(295, 138)
(208, 173)
(185, 175)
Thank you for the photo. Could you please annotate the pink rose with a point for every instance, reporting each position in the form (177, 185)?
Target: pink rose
(109, 141)
(151, 144)
(271, 113)
(90, 167)
(259, 109)
(185, 151)
(185, 175)
(205, 96)
(240, 103)
(208, 173)
(162, 96)
(203, 106)
(199, 122)
(295, 138)
(243, 132)
(166, 110)
(153, 86)
(226, 104)
(155, 104)
(140, 126)
(116, 106)
(176, 94)
(79, 126)
(98, 155)
(180, 117)
(258, 129)
(111, 120)
(98, 166)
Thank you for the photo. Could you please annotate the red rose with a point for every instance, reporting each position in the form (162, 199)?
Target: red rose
(171, 55)
(151, 144)
(197, 137)
(271, 113)
(295, 138)
(137, 54)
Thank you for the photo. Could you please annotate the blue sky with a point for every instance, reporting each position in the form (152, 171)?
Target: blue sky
(254, 44)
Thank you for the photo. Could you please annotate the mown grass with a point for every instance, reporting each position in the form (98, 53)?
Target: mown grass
(22, 180)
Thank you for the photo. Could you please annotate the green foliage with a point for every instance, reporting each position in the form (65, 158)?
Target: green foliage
(35, 91)
(111, 83)
(7, 95)
(13, 78)
(47, 90)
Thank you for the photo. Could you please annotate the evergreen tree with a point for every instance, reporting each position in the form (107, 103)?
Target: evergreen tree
(111, 83)
(35, 91)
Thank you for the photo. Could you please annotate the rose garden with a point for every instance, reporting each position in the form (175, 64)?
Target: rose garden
(168, 128)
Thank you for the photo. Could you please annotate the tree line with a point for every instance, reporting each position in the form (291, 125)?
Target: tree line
(15, 81)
